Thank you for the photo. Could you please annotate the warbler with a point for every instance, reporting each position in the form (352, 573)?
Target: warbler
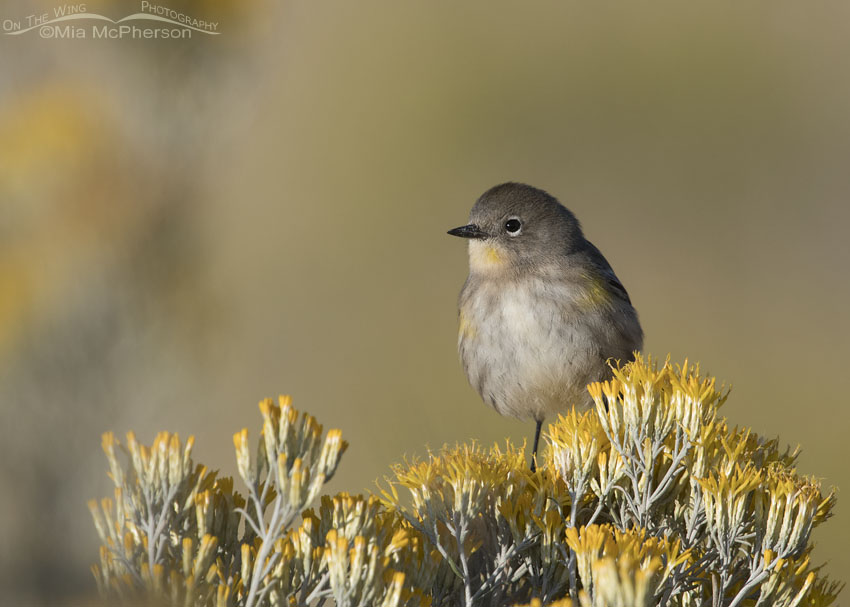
(541, 313)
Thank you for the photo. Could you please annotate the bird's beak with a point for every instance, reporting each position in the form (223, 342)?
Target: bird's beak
(470, 231)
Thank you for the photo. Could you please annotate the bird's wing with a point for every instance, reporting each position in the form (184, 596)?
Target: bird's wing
(606, 273)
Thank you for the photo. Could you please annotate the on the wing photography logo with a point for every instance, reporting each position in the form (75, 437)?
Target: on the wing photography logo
(74, 21)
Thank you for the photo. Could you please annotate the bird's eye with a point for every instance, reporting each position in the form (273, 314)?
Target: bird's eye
(513, 226)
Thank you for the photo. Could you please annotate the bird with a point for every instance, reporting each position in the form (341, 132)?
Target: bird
(542, 313)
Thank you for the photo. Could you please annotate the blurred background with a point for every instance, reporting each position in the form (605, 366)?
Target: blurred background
(188, 226)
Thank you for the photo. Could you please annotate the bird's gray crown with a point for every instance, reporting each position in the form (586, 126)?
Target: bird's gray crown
(527, 222)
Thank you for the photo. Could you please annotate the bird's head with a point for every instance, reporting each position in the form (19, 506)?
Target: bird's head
(515, 227)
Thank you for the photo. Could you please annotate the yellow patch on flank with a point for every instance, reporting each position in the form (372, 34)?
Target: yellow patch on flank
(594, 293)
(466, 328)
(484, 256)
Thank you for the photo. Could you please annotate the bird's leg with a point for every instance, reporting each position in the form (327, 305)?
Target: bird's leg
(536, 440)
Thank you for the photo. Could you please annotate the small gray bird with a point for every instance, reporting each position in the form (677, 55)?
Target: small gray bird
(541, 312)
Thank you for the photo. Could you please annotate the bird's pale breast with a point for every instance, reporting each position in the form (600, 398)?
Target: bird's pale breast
(530, 346)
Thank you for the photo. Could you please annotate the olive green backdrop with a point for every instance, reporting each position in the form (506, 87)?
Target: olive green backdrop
(189, 226)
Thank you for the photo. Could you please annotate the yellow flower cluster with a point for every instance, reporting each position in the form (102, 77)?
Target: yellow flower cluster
(351, 551)
(481, 509)
(648, 499)
(176, 533)
(623, 567)
(162, 490)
